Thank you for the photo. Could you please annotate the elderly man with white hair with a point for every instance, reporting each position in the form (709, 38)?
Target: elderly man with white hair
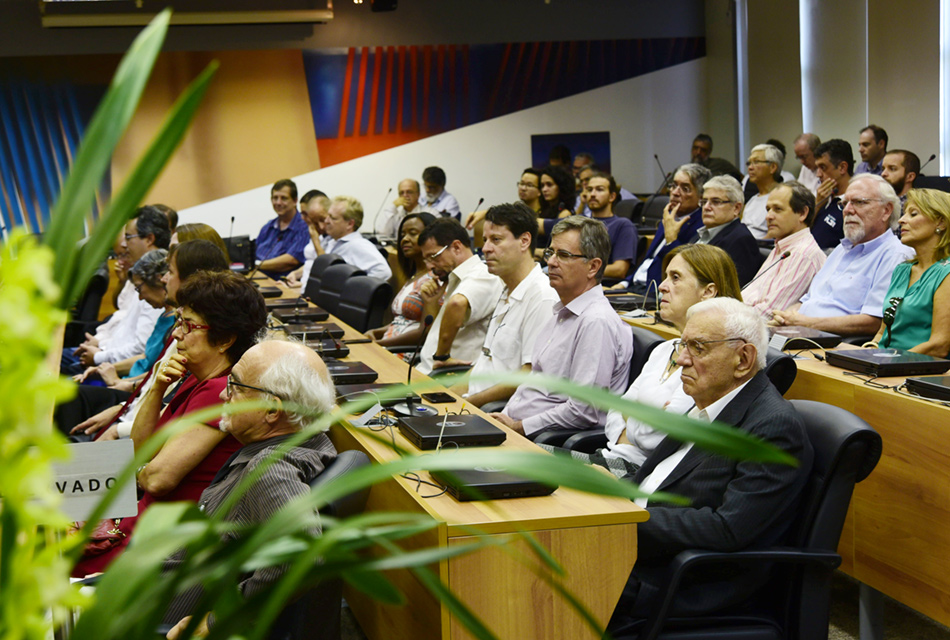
(733, 504)
(847, 295)
(290, 374)
(764, 166)
(721, 207)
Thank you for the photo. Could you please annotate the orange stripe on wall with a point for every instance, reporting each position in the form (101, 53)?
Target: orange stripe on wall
(347, 81)
(374, 92)
(426, 97)
(400, 85)
(388, 93)
(360, 93)
(337, 150)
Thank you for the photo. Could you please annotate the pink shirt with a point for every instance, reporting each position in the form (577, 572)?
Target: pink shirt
(785, 284)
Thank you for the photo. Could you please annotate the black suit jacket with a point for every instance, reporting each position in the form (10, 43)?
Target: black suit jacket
(736, 240)
(734, 504)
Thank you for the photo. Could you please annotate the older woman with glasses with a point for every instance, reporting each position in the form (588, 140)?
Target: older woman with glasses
(219, 317)
(694, 273)
(917, 305)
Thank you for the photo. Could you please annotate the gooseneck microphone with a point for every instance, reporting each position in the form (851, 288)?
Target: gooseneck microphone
(929, 160)
(770, 267)
(666, 176)
(406, 408)
(378, 211)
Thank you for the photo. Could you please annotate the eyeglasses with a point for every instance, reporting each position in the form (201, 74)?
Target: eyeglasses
(697, 348)
(716, 202)
(684, 188)
(435, 255)
(129, 236)
(751, 162)
(858, 203)
(234, 383)
(187, 326)
(891, 312)
(561, 255)
(526, 185)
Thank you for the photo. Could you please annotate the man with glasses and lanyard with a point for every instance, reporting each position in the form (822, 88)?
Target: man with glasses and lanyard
(287, 373)
(847, 295)
(732, 504)
(584, 340)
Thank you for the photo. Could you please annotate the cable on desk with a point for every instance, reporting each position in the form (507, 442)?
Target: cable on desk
(869, 380)
(412, 476)
(898, 389)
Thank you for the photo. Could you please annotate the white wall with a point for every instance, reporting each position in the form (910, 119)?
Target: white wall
(658, 113)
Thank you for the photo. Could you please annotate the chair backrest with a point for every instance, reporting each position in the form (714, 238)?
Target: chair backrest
(316, 613)
(632, 209)
(240, 250)
(644, 342)
(781, 369)
(363, 302)
(334, 280)
(320, 264)
(653, 211)
(846, 450)
(87, 308)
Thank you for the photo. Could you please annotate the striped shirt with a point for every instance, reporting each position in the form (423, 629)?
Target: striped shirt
(785, 284)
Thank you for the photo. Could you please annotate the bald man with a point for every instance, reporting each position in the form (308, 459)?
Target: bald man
(406, 203)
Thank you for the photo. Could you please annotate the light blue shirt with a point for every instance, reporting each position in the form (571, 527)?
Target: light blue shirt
(360, 252)
(855, 278)
(445, 204)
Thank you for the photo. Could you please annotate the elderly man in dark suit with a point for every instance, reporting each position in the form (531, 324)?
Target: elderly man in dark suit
(722, 206)
(733, 504)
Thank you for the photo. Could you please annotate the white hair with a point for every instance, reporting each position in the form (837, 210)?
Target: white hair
(294, 380)
(772, 154)
(887, 194)
(727, 184)
(738, 321)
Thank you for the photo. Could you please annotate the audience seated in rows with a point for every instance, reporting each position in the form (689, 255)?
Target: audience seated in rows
(437, 199)
(469, 291)
(281, 241)
(313, 209)
(294, 375)
(344, 218)
(917, 304)
(835, 166)
(523, 308)
(407, 202)
(733, 504)
(722, 226)
(681, 218)
(408, 307)
(580, 203)
(585, 340)
(847, 295)
(783, 280)
(121, 339)
(219, 318)
(872, 145)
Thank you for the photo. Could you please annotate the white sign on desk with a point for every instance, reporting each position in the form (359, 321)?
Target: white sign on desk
(91, 472)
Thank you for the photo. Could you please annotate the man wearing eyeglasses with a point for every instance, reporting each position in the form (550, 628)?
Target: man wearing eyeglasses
(286, 373)
(470, 293)
(733, 505)
(124, 335)
(847, 295)
(722, 226)
(764, 167)
(584, 340)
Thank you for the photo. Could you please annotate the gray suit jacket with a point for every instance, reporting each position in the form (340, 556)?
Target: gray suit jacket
(734, 504)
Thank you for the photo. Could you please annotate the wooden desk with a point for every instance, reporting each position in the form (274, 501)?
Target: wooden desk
(594, 539)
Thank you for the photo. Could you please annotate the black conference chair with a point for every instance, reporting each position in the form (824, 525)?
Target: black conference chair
(363, 302)
(653, 211)
(644, 342)
(240, 251)
(332, 284)
(781, 369)
(632, 210)
(316, 613)
(794, 603)
(312, 287)
(85, 315)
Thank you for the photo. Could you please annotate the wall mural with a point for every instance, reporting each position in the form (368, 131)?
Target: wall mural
(370, 99)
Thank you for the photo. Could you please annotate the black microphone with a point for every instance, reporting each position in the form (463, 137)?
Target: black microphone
(378, 211)
(231, 230)
(770, 267)
(480, 201)
(406, 409)
(666, 176)
(929, 160)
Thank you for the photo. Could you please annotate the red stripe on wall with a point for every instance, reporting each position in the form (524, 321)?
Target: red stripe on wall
(345, 105)
(426, 75)
(414, 87)
(526, 81)
(543, 67)
(388, 92)
(374, 92)
(360, 92)
(453, 104)
(400, 85)
(498, 81)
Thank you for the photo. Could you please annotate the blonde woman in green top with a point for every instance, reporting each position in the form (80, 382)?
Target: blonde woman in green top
(917, 305)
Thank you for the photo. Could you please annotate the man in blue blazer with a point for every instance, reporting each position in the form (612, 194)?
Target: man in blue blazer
(734, 504)
(722, 226)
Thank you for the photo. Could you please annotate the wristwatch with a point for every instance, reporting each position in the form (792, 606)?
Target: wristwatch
(441, 358)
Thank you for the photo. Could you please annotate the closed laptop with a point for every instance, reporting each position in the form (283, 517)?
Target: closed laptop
(349, 372)
(488, 484)
(460, 430)
(885, 363)
(936, 387)
(300, 314)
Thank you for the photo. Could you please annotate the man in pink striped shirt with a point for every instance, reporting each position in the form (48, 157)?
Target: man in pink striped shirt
(789, 213)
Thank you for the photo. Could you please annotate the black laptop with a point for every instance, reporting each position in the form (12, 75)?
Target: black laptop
(354, 392)
(936, 387)
(885, 363)
(300, 314)
(270, 292)
(349, 372)
(460, 430)
(329, 348)
(488, 484)
(797, 337)
(631, 301)
(275, 304)
(315, 330)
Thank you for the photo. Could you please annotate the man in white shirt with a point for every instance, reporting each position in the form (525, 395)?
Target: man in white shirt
(524, 306)
(343, 219)
(470, 293)
(732, 504)
(438, 200)
(805, 146)
(764, 166)
(395, 211)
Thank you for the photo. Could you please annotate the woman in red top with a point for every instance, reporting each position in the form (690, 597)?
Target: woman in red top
(219, 318)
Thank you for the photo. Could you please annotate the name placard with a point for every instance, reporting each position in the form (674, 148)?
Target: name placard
(91, 473)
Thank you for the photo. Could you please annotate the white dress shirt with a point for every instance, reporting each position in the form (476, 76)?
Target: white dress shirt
(360, 252)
